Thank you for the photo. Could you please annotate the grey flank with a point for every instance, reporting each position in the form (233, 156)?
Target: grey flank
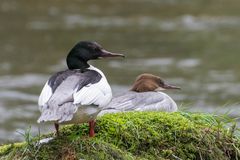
(144, 101)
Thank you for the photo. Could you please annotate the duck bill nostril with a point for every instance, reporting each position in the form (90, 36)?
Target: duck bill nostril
(167, 86)
(104, 53)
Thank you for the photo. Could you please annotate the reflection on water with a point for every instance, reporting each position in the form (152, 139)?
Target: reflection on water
(158, 63)
(185, 22)
(190, 44)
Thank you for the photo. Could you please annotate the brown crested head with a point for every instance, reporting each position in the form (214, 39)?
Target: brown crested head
(148, 82)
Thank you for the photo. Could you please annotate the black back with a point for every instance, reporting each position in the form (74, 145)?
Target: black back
(84, 78)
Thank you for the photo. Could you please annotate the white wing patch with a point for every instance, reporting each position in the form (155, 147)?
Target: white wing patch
(98, 94)
(44, 96)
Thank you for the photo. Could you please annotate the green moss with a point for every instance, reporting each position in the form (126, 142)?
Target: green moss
(138, 135)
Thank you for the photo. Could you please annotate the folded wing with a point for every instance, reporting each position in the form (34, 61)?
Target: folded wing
(144, 101)
(68, 90)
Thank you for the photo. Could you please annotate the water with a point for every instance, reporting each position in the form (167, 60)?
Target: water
(192, 44)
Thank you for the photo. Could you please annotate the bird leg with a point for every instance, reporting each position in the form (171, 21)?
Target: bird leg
(56, 125)
(91, 128)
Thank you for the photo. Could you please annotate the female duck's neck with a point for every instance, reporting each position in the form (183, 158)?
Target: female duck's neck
(74, 63)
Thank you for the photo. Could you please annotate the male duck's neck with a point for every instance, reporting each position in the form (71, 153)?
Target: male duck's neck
(74, 63)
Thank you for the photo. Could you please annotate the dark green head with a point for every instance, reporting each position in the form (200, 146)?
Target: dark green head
(84, 51)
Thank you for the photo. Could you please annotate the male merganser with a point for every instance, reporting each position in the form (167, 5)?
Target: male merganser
(79, 93)
(145, 95)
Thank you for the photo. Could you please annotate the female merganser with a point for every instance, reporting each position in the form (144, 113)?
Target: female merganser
(79, 93)
(145, 95)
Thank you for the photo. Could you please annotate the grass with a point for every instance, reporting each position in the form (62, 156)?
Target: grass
(138, 135)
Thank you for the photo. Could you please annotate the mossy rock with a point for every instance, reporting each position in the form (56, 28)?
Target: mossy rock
(137, 135)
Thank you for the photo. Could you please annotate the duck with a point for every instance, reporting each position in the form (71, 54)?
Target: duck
(146, 94)
(77, 94)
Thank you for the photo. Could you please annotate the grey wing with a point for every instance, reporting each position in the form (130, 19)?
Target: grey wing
(124, 102)
(145, 101)
(121, 103)
(60, 105)
(60, 114)
(157, 101)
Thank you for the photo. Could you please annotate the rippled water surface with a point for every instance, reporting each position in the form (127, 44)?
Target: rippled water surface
(192, 44)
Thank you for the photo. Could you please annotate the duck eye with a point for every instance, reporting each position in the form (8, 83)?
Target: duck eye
(161, 82)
